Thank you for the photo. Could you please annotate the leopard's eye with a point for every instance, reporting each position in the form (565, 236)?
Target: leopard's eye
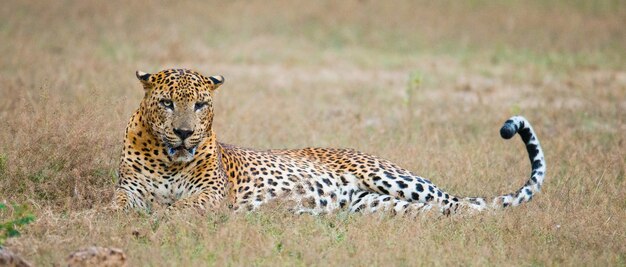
(201, 105)
(168, 104)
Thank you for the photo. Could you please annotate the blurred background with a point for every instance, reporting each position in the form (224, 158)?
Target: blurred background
(425, 84)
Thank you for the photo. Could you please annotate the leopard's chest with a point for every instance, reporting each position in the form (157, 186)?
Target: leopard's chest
(167, 189)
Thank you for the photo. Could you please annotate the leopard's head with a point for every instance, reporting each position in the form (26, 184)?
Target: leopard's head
(178, 109)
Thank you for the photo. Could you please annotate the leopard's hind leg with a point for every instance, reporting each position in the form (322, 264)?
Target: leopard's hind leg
(356, 195)
(402, 188)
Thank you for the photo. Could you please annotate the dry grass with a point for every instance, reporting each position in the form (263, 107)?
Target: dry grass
(326, 74)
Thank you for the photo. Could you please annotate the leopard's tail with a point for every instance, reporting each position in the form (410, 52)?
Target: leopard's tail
(520, 125)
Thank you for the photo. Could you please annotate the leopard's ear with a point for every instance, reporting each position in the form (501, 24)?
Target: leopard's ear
(217, 80)
(144, 78)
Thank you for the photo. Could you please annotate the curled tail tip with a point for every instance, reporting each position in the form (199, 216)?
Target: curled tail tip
(508, 130)
(512, 126)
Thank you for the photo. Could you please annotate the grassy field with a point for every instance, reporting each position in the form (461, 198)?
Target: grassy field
(425, 84)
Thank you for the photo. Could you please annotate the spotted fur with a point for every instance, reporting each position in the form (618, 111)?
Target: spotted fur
(171, 156)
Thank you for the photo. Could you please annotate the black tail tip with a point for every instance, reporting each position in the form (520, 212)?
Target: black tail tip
(508, 130)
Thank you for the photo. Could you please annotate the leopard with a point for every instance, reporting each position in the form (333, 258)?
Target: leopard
(172, 157)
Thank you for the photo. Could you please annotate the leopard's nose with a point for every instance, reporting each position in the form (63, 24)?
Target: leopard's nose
(183, 133)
